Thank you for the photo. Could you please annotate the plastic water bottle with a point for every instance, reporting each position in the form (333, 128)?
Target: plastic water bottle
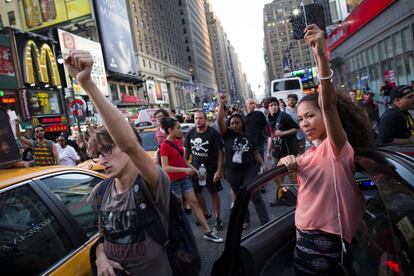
(202, 175)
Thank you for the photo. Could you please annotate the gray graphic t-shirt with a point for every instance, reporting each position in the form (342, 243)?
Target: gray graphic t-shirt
(126, 241)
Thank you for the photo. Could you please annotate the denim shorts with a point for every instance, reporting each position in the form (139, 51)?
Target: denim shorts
(181, 187)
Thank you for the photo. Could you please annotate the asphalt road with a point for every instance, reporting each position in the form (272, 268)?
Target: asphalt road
(209, 251)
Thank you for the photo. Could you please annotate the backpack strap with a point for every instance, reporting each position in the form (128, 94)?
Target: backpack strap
(278, 119)
(148, 212)
(100, 191)
(175, 147)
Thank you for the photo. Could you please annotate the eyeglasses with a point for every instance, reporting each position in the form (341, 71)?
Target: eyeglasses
(105, 151)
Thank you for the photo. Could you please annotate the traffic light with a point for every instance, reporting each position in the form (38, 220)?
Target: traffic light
(1, 93)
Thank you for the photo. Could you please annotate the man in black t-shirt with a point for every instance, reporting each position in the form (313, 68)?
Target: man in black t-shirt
(256, 125)
(205, 146)
(396, 126)
(282, 140)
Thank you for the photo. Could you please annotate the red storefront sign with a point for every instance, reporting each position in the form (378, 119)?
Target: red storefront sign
(6, 62)
(361, 16)
(128, 99)
(56, 128)
(8, 100)
(51, 120)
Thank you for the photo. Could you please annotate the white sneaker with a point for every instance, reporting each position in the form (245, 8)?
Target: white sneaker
(211, 236)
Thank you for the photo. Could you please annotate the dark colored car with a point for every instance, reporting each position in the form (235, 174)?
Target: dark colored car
(383, 244)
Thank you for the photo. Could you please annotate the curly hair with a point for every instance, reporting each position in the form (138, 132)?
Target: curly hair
(354, 120)
(163, 111)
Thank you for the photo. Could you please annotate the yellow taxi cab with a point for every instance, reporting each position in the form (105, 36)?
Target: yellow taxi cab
(47, 226)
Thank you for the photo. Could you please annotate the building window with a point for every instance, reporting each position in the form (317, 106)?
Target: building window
(12, 18)
(114, 92)
(134, 8)
(1, 21)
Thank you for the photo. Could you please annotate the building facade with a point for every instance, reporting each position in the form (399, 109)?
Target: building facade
(199, 54)
(369, 47)
(282, 53)
(222, 57)
(160, 51)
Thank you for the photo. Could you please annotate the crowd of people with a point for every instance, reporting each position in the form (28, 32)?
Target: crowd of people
(333, 126)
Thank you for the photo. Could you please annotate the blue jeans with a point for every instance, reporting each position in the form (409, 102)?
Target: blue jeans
(181, 187)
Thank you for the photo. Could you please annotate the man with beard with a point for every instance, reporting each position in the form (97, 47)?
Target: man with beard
(205, 146)
(44, 151)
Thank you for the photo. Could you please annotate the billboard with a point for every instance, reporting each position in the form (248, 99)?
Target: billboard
(115, 33)
(69, 42)
(157, 92)
(37, 14)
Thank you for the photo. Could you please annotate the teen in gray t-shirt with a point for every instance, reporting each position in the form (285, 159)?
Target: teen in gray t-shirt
(126, 243)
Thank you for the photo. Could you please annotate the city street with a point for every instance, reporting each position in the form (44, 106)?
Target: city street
(211, 251)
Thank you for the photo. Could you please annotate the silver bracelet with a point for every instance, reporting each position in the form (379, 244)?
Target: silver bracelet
(328, 77)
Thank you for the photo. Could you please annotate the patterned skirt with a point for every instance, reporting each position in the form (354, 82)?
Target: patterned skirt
(316, 252)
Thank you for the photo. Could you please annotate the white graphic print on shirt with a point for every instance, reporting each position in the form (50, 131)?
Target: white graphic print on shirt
(198, 146)
(240, 145)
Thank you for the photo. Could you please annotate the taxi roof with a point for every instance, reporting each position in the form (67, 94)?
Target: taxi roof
(12, 176)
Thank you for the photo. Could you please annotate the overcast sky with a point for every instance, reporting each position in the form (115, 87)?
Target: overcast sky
(243, 22)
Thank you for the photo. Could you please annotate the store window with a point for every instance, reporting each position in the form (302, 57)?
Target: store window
(388, 48)
(401, 76)
(381, 47)
(409, 65)
(44, 102)
(408, 39)
(122, 89)
(375, 56)
(398, 48)
(114, 92)
(130, 90)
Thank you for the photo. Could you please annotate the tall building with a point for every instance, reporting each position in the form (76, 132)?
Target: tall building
(282, 53)
(160, 51)
(221, 54)
(194, 27)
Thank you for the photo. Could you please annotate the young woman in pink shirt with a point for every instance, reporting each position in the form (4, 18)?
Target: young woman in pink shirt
(329, 204)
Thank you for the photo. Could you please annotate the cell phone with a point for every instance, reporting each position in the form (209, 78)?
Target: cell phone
(314, 14)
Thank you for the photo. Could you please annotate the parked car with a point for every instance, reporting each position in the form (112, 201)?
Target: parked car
(383, 244)
(46, 225)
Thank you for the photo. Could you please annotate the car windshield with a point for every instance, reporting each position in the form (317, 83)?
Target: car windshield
(148, 140)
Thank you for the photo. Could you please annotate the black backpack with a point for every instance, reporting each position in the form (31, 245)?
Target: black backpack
(180, 242)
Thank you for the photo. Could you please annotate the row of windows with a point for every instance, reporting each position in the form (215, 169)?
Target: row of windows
(395, 53)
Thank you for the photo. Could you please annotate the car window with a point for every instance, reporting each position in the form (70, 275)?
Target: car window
(31, 239)
(73, 190)
(148, 140)
(373, 251)
(398, 198)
